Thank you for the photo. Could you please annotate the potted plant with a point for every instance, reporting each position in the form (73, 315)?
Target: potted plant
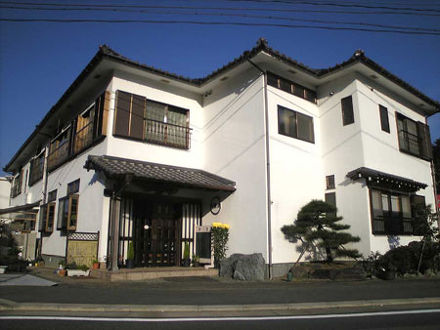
(75, 270)
(130, 255)
(95, 263)
(186, 260)
(196, 261)
(62, 268)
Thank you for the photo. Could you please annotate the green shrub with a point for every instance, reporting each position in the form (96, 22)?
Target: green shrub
(130, 252)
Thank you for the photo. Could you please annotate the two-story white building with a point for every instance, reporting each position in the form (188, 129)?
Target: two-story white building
(134, 154)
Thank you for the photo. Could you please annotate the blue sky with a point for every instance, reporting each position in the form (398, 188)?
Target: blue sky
(39, 60)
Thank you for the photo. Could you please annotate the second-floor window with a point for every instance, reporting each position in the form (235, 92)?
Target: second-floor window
(295, 124)
(347, 111)
(16, 185)
(154, 122)
(37, 168)
(414, 137)
(384, 122)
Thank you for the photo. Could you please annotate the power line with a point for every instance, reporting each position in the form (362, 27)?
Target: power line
(332, 4)
(292, 26)
(235, 15)
(221, 8)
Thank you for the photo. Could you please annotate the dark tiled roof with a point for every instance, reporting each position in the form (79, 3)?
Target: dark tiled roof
(262, 46)
(115, 167)
(373, 176)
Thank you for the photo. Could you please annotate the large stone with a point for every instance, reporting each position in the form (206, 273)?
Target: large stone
(243, 267)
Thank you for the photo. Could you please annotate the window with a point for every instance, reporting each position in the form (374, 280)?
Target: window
(347, 111)
(37, 169)
(330, 198)
(330, 182)
(150, 121)
(47, 217)
(68, 208)
(73, 187)
(384, 122)
(291, 87)
(295, 124)
(16, 186)
(68, 213)
(52, 196)
(414, 137)
(393, 213)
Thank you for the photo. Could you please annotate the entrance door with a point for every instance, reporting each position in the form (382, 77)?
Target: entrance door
(159, 240)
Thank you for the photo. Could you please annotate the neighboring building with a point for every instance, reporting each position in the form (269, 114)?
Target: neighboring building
(140, 155)
(5, 192)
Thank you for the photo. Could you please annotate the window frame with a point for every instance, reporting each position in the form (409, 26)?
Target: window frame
(285, 132)
(422, 137)
(291, 87)
(383, 113)
(345, 108)
(330, 182)
(389, 220)
(153, 131)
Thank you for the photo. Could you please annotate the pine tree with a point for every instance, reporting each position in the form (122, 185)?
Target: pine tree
(318, 224)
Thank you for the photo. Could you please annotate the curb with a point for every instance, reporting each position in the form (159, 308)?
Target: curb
(10, 307)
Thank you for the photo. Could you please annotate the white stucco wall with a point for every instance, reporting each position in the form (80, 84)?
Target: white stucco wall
(91, 205)
(296, 171)
(234, 147)
(381, 149)
(342, 152)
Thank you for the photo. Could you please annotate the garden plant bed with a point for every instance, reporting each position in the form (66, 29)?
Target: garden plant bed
(325, 270)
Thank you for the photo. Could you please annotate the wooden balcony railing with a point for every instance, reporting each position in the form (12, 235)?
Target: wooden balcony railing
(167, 134)
(58, 155)
(83, 138)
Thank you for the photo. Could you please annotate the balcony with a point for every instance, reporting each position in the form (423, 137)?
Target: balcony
(83, 138)
(58, 155)
(167, 134)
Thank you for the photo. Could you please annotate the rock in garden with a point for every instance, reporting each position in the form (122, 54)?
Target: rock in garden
(243, 267)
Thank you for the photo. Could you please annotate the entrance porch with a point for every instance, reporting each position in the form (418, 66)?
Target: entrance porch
(155, 208)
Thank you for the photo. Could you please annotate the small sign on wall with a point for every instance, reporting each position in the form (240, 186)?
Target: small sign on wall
(203, 244)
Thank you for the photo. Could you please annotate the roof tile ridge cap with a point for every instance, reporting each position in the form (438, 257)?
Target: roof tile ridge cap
(106, 50)
(261, 46)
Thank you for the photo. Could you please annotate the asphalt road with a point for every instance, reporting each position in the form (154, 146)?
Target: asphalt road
(400, 320)
(194, 291)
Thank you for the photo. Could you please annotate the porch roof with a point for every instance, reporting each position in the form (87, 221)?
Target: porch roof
(382, 178)
(20, 208)
(115, 167)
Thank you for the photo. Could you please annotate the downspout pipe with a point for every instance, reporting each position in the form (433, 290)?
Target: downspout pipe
(269, 198)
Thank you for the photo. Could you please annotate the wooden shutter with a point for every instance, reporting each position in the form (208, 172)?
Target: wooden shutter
(424, 141)
(347, 110)
(102, 104)
(122, 116)
(138, 104)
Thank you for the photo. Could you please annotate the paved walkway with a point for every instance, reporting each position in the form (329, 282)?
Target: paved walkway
(23, 280)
